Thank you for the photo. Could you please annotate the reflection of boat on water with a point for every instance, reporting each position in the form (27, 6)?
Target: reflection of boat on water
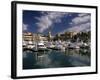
(56, 58)
(85, 51)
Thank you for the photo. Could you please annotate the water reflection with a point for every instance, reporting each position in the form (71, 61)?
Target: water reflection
(56, 58)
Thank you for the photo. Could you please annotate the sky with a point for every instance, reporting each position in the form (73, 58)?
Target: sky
(56, 22)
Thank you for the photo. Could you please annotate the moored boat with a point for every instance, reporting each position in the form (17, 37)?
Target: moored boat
(30, 45)
(73, 46)
(39, 46)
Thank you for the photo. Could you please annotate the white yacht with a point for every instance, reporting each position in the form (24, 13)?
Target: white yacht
(85, 45)
(24, 43)
(50, 45)
(39, 46)
(73, 46)
(59, 46)
(30, 45)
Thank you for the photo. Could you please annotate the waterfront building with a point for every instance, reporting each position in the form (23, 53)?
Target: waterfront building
(28, 36)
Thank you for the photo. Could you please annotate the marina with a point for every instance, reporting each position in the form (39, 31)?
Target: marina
(54, 44)
(41, 51)
(57, 45)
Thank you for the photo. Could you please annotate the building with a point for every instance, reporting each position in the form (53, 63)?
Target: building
(43, 38)
(70, 34)
(28, 36)
(73, 34)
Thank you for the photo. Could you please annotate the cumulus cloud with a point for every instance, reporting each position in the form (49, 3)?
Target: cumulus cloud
(81, 23)
(81, 27)
(25, 27)
(48, 19)
(81, 19)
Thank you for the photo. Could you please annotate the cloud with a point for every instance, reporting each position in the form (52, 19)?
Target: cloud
(80, 23)
(82, 14)
(48, 19)
(25, 27)
(81, 19)
(81, 27)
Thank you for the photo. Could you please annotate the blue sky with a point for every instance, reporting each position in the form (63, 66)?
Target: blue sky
(57, 22)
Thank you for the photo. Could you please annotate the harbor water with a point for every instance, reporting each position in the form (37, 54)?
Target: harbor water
(56, 58)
